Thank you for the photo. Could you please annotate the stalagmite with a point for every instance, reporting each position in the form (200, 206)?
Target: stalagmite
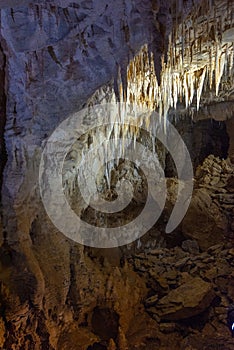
(122, 341)
(111, 345)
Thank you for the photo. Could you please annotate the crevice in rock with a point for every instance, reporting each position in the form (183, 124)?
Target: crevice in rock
(105, 323)
(41, 330)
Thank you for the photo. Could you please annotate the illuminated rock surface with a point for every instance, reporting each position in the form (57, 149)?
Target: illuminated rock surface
(57, 56)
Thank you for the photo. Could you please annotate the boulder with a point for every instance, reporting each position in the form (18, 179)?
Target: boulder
(211, 223)
(189, 299)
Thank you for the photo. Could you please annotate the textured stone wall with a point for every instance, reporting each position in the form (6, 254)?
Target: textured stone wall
(54, 55)
(57, 54)
(2, 113)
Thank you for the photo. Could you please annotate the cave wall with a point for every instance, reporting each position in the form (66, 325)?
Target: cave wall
(54, 56)
(2, 113)
(57, 56)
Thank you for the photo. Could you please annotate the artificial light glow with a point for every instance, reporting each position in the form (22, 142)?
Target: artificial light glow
(196, 62)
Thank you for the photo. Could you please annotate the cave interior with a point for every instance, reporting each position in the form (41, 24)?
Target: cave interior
(101, 102)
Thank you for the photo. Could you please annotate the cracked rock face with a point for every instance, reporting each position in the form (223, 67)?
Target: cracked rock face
(54, 293)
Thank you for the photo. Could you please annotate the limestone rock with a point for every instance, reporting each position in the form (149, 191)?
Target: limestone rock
(167, 327)
(111, 345)
(122, 341)
(188, 300)
(57, 54)
(151, 301)
(209, 229)
(2, 332)
(190, 246)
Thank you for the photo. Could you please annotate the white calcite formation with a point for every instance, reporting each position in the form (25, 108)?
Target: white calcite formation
(200, 54)
(57, 55)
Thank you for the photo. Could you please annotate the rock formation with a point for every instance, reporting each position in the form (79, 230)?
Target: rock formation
(164, 291)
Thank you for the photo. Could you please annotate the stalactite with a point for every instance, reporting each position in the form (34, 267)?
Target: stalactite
(231, 60)
(200, 87)
(195, 62)
(179, 74)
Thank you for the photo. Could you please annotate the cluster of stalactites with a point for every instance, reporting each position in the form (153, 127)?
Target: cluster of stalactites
(200, 53)
(198, 56)
(142, 85)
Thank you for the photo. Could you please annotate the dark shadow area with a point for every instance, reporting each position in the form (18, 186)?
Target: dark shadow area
(105, 323)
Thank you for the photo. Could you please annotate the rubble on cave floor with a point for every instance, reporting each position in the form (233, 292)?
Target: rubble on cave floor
(191, 285)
